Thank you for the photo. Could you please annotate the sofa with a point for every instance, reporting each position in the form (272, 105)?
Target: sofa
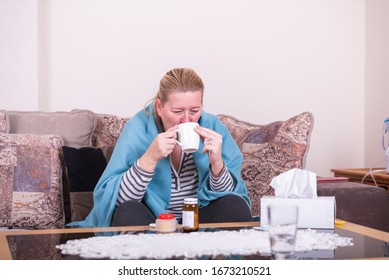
(51, 161)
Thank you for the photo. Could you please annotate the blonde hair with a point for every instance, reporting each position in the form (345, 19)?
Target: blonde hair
(177, 80)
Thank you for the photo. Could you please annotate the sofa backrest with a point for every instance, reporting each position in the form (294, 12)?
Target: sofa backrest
(267, 149)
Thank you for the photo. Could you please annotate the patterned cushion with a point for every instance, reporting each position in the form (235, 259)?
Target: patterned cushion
(31, 181)
(269, 150)
(4, 124)
(108, 129)
(75, 127)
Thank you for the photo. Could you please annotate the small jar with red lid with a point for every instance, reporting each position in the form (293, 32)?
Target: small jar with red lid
(166, 223)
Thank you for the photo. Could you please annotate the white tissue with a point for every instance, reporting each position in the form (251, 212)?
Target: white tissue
(295, 183)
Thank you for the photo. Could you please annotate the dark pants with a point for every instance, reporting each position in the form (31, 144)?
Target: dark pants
(229, 208)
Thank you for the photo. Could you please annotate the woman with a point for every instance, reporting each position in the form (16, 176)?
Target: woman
(148, 174)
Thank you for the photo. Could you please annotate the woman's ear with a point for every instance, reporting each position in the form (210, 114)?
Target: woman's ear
(158, 105)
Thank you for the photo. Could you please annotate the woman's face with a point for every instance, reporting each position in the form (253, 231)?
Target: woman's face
(180, 107)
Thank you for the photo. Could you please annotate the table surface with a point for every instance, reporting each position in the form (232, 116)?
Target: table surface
(40, 244)
(379, 172)
(365, 175)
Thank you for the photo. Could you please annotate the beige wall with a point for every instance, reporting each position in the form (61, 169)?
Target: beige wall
(261, 61)
(377, 82)
(18, 54)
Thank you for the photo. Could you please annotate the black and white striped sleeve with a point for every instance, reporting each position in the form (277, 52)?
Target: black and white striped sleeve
(134, 184)
(223, 182)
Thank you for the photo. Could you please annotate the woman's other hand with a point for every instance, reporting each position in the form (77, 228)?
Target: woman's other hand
(213, 147)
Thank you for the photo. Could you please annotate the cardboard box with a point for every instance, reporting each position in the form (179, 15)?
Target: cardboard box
(319, 212)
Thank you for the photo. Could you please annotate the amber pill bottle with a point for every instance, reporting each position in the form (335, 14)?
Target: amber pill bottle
(190, 215)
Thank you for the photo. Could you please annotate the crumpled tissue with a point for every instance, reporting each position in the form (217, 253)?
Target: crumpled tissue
(295, 183)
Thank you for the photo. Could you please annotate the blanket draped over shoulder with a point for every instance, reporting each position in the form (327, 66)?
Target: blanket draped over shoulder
(135, 139)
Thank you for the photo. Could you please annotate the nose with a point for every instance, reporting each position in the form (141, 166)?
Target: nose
(186, 117)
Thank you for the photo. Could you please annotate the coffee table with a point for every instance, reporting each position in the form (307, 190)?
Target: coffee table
(40, 244)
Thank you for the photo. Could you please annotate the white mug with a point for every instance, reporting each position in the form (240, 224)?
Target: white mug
(188, 139)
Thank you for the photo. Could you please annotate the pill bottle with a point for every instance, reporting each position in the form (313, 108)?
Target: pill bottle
(190, 215)
(166, 223)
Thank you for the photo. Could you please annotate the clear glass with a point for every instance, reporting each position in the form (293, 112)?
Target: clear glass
(282, 230)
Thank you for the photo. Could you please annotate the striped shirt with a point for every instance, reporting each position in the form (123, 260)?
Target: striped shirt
(184, 183)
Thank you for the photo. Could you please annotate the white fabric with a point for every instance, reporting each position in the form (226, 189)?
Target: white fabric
(192, 245)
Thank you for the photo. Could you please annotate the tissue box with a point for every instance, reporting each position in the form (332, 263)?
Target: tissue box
(319, 212)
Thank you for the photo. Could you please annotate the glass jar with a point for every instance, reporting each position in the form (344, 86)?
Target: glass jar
(190, 215)
(166, 223)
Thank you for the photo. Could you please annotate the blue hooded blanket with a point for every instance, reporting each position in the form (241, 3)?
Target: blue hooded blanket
(136, 137)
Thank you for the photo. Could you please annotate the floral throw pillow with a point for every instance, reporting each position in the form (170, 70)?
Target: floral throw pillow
(31, 181)
(4, 123)
(108, 129)
(269, 150)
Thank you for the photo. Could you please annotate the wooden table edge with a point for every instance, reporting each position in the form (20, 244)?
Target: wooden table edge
(377, 172)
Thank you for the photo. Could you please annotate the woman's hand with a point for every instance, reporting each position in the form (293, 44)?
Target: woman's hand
(213, 147)
(161, 147)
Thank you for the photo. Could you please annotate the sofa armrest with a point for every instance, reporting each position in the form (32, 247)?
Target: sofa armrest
(359, 203)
